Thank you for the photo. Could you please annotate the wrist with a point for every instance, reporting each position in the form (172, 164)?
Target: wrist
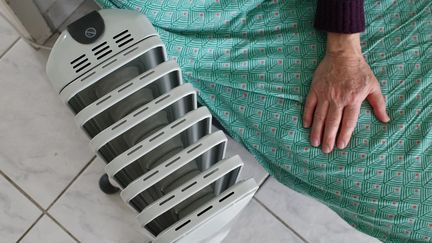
(344, 45)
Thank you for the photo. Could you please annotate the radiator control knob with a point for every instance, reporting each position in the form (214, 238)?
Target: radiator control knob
(87, 29)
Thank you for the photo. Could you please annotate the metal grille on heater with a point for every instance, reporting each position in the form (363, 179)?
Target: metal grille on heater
(80, 63)
(143, 121)
(123, 38)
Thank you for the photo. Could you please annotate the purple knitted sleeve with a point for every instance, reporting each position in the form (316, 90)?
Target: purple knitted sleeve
(340, 16)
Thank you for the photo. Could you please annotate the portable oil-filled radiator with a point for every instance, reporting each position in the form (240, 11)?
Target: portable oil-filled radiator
(111, 69)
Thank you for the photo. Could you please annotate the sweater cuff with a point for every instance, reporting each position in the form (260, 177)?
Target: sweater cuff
(340, 16)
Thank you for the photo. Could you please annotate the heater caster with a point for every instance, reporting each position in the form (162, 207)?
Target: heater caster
(105, 185)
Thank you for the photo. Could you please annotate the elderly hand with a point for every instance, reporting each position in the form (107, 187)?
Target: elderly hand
(342, 81)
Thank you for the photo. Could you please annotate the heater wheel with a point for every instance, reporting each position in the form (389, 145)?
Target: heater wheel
(105, 185)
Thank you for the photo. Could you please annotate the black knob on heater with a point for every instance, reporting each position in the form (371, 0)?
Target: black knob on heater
(87, 29)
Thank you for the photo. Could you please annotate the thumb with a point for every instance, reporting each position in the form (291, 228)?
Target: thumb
(377, 101)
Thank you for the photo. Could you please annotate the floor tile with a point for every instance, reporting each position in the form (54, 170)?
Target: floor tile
(251, 168)
(8, 35)
(256, 225)
(43, 148)
(311, 219)
(17, 213)
(93, 216)
(46, 230)
(44, 5)
(60, 10)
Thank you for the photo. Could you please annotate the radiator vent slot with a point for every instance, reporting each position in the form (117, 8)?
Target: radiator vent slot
(123, 38)
(80, 63)
(101, 50)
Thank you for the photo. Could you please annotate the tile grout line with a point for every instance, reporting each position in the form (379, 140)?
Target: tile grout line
(45, 211)
(61, 194)
(263, 181)
(21, 190)
(70, 183)
(31, 227)
(280, 220)
(62, 227)
(29, 198)
(9, 48)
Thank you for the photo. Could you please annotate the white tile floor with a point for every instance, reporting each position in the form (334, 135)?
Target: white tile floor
(48, 176)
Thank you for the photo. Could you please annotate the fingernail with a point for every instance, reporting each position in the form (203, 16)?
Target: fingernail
(326, 149)
(341, 145)
(315, 143)
(305, 124)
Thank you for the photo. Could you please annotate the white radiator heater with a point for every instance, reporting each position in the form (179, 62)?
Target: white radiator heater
(110, 68)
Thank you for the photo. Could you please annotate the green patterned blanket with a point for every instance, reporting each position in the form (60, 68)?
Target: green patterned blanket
(252, 62)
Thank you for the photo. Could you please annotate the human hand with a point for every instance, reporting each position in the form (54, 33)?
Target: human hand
(342, 81)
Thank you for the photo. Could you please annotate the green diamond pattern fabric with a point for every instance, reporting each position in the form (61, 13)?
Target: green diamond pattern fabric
(253, 61)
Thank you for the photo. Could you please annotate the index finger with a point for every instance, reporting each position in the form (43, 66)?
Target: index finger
(311, 102)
